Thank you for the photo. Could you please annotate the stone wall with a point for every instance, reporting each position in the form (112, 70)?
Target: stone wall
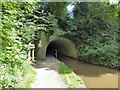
(62, 45)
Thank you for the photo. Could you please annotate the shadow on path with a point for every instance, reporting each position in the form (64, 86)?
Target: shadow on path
(47, 74)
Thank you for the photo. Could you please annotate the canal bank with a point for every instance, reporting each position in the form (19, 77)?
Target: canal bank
(50, 74)
(93, 76)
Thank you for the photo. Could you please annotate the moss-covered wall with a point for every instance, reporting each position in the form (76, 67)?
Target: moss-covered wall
(62, 45)
(41, 47)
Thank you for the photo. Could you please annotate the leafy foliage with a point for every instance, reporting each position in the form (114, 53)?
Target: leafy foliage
(21, 23)
(56, 8)
(94, 29)
(95, 32)
(14, 46)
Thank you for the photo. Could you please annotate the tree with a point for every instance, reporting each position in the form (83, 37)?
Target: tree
(94, 23)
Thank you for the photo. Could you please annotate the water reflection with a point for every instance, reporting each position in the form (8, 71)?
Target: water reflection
(94, 76)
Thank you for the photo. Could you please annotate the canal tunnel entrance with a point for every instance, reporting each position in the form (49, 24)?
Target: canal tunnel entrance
(61, 46)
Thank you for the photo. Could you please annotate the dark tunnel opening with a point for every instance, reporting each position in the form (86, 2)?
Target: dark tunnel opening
(53, 46)
(61, 47)
(50, 48)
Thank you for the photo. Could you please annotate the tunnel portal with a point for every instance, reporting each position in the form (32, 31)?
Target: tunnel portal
(46, 44)
(61, 46)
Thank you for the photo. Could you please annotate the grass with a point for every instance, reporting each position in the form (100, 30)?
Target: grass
(69, 77)
(28, 78)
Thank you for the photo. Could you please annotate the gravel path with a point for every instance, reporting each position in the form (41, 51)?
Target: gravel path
(47, 74)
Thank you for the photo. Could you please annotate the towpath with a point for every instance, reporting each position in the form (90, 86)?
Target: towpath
(47, 74)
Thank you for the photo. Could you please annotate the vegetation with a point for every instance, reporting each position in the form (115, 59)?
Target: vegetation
(93, 27)
(70, 78)
(28, 79)
(15, 38)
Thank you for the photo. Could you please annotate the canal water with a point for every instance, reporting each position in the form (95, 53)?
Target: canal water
(93, 76)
